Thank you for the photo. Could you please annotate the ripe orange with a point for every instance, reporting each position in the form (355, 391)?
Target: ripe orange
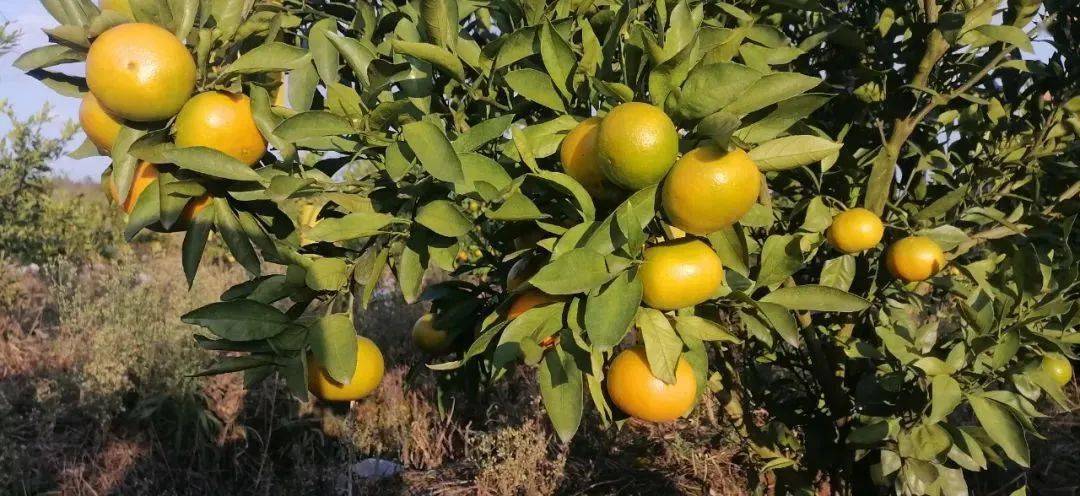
(222, 121)
(368, 375)
(855, 230)
(1058, 368)
(193, 208)
(145, 173)
(680, 273)
(140, 72)
(528, 300)
(426, 337)
(100, 126)
(121, 6)
(637, 145)
(638, 393)
(914, 258)
(578, 154)
(710, 189)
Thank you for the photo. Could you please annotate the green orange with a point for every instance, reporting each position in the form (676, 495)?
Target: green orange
(429, 338)
(637, 144)
(1058, 368)
(710, 189)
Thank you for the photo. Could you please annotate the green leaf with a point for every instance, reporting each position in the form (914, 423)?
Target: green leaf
(313, 124)
(561, 391)
(436, 155)
(786, 114)
(195, 243)
(945, 396)
(1011, 35)
(47, 56)
(326, 274)
(711, 87)
(718, 126)
(436, 56)
(212, 163)
(352, 226)
(816, 298)
(535, 86)
(228, 225)
(440, 21)
(323, 53)
(942, 205)
(1002, 428)
(781, 256)
(443, 218)
(482, 133)
(239, 320)
(703, 329)
(663, 348)
(838, 272)
(879, 182)
(358, 55)
(770, 89)
(610, 311)
(333, 341)
(270, 57)
(558, 58)
(577, 271)
(730, 246)
(771, 318)
(790, 152)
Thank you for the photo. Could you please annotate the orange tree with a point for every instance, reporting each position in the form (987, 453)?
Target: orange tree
(849, 222)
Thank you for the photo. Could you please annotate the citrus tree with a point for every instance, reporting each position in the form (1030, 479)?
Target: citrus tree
(849, 222)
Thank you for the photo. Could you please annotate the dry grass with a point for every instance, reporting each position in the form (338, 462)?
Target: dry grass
(94, 399)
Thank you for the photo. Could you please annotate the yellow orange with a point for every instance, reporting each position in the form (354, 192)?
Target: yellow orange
(914, 258)
(368, 375)
(680, 273)
(710, 189)
(100, 126)
(145, 173)
(222, 121)
(528, 300)
(578, 154)
(637, 144)
(427, 337)
(638, 393)
(140, 72)
(855, 230)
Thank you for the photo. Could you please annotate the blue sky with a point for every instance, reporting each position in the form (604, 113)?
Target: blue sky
(27, 95)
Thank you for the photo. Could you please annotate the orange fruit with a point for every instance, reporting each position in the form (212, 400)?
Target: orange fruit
(638, 393)
(222, 121)
(140, 72)
(528, 300)
(121, 6)
(680, 273)
(368, 375)
(710, 189)
(145, 173)
(100, 126)
(1058, 368)
(193, 208)
(637, 144)
(855, 230)
(578, 154)
(914, 258)
(426, 337)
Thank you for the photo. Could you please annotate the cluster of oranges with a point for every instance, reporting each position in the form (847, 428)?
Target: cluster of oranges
(140, 74)
(636, 145)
